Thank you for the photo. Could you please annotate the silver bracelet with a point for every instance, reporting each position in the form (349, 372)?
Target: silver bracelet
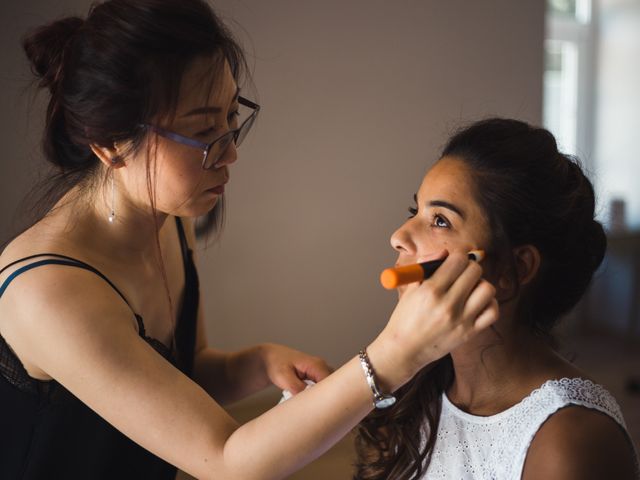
(380, 400)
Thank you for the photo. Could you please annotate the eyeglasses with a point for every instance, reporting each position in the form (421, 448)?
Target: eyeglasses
(211, 152)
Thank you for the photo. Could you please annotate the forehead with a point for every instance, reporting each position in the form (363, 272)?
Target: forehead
(448, 179)
(207, 81)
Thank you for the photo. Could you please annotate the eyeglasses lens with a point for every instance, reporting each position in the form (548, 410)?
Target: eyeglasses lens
(217, 149)
(220, 146)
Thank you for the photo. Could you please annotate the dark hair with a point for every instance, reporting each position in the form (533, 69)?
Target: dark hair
(118, 68)
(532, 195)
(108, 74)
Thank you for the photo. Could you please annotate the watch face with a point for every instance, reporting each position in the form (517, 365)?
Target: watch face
(385, 401)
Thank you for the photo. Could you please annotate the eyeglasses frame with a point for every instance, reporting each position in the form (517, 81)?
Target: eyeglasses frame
(206, 147)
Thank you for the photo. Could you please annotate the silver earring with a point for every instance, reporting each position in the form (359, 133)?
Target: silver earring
(112, 215)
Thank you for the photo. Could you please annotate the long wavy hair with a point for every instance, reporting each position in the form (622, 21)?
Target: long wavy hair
(531, 194)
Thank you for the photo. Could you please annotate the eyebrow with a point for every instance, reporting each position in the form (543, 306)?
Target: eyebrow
(447, 205)
(441, 203)
(209, 109)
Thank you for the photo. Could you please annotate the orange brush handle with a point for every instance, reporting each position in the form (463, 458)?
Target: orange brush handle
(391, 278)
(394, 277)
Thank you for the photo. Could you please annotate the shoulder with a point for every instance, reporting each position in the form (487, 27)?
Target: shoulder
(58, 286)
(80, 333)
(60, 305)
(580, 443)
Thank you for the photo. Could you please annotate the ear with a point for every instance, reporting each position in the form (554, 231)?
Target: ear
(527, 259)
(109, 156)
(527, 262)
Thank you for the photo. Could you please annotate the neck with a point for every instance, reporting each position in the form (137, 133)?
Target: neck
(130, 237)
(498, 368)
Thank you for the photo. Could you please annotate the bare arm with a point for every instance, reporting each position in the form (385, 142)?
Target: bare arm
(232, 376)
(102, 360)
(229, 377)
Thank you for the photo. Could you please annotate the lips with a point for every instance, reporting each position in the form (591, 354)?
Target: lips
(434, 256)
(426, 258)
(219, 189)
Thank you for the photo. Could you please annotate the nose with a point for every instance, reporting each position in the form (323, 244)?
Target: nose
(402, 242)
(229, 156)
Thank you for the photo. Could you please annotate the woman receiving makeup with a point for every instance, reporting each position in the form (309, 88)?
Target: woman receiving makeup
(503, 405)
(105, 372)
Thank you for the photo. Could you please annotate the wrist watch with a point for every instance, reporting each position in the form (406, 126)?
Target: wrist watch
(380, 400)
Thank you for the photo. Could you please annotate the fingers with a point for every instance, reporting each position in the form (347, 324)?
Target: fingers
(487, 317)
(464, 285)
(478, 301)
(293, 374)
(289, 380)
(442, 312)
(459, 285)
(449, 272)
(317, 369)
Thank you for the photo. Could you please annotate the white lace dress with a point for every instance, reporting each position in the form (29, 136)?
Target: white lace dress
(482, 448)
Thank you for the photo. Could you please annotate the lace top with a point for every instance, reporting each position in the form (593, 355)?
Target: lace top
(495, 447)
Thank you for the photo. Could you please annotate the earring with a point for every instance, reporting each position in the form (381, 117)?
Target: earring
(112, 215)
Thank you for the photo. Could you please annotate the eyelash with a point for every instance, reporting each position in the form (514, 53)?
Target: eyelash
(436, 216)
(230, 118)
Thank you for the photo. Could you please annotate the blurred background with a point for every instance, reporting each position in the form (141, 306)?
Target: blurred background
(357, 99)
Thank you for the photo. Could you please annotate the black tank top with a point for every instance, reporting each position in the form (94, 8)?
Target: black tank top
(48, 433)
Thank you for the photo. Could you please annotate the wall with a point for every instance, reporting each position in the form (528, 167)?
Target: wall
(21, 118)
(357, 99)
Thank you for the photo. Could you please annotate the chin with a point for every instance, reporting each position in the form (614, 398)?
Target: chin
(194, 210)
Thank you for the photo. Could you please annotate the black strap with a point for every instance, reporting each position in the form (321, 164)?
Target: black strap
(185, 332)
(36, 256)
(184, 244)
(186, 328)
(65, 260)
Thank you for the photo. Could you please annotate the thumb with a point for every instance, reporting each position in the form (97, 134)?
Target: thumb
(288, 380)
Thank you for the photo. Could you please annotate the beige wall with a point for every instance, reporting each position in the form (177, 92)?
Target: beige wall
(357, 96)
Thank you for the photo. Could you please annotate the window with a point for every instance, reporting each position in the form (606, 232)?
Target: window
(593, 113)
(568, 76)
(560, 112)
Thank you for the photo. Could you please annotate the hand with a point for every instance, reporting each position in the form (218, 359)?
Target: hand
(287, 368)
(433, 318)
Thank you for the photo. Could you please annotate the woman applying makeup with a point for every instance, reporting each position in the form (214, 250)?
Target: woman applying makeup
(504, 405)
(104, 367)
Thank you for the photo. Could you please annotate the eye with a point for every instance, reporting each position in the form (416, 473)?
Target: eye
(440, 222)
(414, 210)
(233, 118)
(206, 132)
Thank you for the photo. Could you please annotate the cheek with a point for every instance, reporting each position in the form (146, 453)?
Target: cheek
(182, 185)
(179, 165)
(430, 240)
(178, 180)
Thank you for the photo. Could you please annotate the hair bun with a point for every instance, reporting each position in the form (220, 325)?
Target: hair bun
(596, 241)
(45, 47)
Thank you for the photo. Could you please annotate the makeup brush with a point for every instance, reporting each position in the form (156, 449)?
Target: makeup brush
(392, 278)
